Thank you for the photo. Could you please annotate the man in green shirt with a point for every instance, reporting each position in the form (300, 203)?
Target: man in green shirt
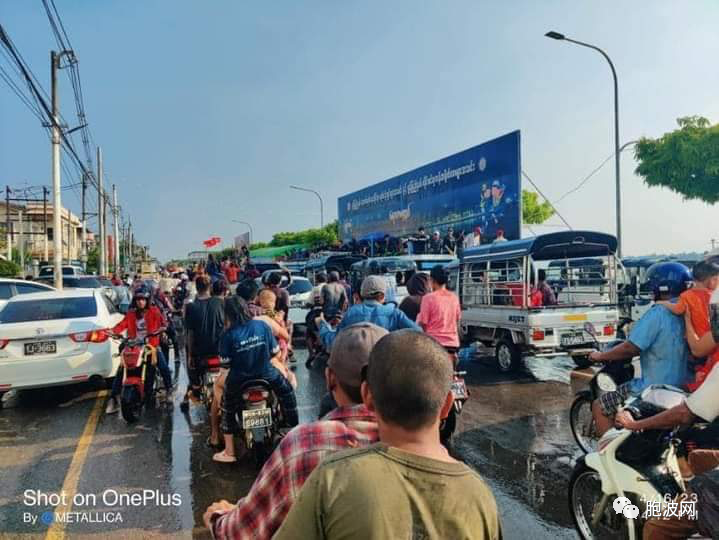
(406, 486)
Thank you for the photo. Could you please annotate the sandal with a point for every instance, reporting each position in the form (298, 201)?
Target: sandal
(223, 457)
(214, 446)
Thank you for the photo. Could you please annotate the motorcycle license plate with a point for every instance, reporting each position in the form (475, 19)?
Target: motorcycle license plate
(568, 340)
(40, 347)
(256, 418)
(459, 390)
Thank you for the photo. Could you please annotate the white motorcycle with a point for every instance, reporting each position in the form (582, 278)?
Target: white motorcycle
(641, 466)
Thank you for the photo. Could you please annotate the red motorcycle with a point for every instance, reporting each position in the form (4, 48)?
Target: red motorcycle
(139, 381)
(209, 377)
(461, 394)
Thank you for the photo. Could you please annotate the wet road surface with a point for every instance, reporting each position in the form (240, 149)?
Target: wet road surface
(513, 430)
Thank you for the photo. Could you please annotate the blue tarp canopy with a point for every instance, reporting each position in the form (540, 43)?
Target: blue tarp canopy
(547, 247)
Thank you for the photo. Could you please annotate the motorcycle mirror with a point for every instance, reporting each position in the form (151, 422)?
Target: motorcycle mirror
(589, 329)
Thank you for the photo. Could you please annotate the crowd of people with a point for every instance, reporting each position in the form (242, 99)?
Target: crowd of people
(376, 445)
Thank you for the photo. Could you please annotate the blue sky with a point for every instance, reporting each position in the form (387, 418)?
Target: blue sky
(208, 111)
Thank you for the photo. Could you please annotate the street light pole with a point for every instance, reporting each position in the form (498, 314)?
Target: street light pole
(248, 226)
(322, 218)
(617, 151)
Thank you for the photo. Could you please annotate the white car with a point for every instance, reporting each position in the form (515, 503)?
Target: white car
(300, 299)
(13, 287)
(57, 338)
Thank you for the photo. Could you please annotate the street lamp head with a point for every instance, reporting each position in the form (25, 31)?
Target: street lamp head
(554, 35)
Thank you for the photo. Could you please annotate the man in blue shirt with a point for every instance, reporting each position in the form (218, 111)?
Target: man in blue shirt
(372, 309)
(658, 339)
(248, 348)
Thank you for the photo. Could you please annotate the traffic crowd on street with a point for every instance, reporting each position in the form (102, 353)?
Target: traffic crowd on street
(335, 271)
(389, 374)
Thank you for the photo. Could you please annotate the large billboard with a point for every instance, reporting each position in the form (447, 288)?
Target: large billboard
(478, 187)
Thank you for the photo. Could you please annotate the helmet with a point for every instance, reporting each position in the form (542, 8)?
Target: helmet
(141, 292)
(666, 277)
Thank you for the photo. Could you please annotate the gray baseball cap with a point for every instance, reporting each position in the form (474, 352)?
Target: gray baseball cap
(351, 350)
(373, 285)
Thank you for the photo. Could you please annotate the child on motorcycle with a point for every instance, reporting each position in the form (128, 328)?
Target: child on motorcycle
(249, 348)
(142, 320)
(695, 302)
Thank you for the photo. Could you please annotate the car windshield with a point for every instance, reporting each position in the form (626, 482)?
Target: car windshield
(48, 310)
(83, 283)
(426, 266)
(49, 271)
(299, 286)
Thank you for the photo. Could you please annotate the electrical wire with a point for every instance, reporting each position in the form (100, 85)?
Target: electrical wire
(548, 201)
(585, 180)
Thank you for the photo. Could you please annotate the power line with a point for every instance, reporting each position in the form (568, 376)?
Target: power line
(585, 180)
(548, 201)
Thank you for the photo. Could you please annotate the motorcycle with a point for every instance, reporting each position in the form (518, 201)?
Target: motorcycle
(461, 395)
(139, 380)
(641, 466)
(260, 418)
(209, 377)
(607, 379)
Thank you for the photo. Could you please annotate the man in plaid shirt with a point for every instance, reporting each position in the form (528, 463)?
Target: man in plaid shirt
(260, 513)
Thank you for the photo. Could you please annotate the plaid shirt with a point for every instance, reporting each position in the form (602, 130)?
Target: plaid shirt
(261, 512)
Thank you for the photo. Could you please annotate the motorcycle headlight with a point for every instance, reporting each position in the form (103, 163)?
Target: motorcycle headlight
(606, 383)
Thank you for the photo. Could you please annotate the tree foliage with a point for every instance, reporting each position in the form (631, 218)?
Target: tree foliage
(533, 211)
(326, 236)
(9, 269)
(685, 160)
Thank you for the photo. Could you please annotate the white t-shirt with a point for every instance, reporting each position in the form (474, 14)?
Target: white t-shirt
(704, 402)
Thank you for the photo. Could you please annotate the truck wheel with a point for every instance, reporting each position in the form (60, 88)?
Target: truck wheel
(582, 361)
(508, 355)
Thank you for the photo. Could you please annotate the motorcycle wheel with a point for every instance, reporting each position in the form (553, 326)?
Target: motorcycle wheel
(585, 495)
(130, 404)
(447, 427)
(261, 451)
(582, 361)
(582, 423)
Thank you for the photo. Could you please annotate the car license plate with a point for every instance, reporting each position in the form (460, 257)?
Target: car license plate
(568, 340)
(256, 418)
(459, 390)
(40, 347)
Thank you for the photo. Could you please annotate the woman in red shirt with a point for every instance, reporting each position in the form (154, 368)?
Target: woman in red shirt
(142, 320)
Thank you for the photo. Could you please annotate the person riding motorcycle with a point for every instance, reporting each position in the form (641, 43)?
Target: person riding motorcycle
(658, 339)
(142, 320)
(372, 309)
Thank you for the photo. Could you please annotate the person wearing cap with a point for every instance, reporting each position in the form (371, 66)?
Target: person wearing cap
(473, 240)
(435, 243)
(351, 425)
(407, 485)
(372, 309)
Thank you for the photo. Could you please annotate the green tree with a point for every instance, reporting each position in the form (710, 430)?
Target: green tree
(9, 269)
(685, 160)
(533, 211)
(93, 261)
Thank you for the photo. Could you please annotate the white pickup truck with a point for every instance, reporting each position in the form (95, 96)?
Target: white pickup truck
(503, 307)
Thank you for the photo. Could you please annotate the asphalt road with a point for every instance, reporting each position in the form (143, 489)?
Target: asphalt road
(513, 430)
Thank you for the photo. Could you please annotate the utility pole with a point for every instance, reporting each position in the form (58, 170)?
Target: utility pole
(714, 241)
(130, 240)
(116, 232)
(57, 204)
(83, 234)
(20, 242)
(7, 223)
(102, 269)
(44, 222)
